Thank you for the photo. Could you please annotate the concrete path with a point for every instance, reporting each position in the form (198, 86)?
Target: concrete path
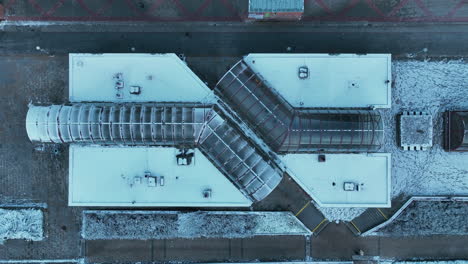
(337, 242)
(209, 250)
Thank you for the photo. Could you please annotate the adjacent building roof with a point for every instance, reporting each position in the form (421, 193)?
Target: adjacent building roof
(260, 6)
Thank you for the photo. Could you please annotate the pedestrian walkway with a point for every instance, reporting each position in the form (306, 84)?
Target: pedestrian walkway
(373, 217)
(312, 218)
(367, 220)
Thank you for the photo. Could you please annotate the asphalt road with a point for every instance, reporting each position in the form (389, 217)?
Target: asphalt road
(236, 39)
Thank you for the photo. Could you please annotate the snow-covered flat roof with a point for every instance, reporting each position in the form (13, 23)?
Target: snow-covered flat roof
(325, 181)
(115, 176)
(109, 78)
(343, 80)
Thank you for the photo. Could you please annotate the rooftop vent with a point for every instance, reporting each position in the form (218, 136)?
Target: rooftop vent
(303, 72)
(185, 157)
(207, 193)
(415, 131)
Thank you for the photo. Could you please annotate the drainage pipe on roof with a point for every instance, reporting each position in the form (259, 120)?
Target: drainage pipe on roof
(154, 125)
(287, 129)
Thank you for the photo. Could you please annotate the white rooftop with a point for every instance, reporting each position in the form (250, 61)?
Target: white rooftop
(115, 176)
(161, 78)
(344, 80)
(325, 181)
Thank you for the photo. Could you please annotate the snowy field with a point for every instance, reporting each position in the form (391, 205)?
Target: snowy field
(145, 225)
(422, 218)
(21, 224)
(432, 87)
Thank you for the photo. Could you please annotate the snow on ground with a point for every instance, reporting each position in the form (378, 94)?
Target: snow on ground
(166, 224)
(341, 213)
(432, 87)
(21, 224)
(422, 218)
(221, 224)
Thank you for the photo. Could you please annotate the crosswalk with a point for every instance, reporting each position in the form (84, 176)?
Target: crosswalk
(312, 218)
(367, 220)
